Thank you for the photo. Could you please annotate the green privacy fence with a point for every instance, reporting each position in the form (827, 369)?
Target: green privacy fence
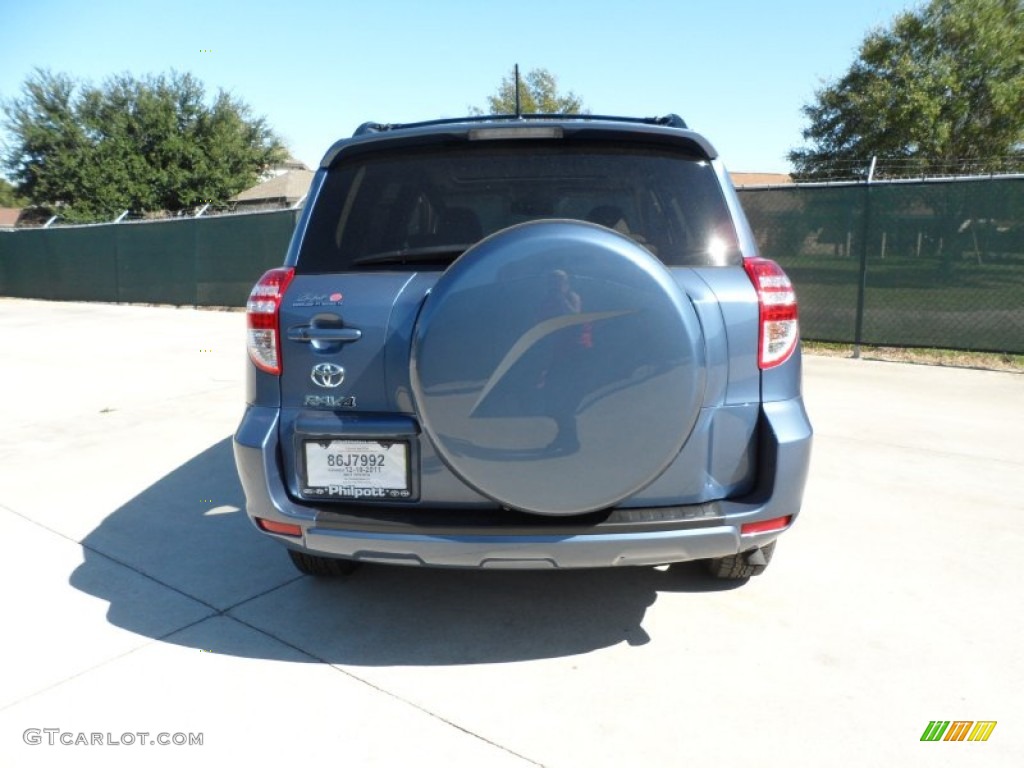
(934, 264)
(203, 262)
(926, 264)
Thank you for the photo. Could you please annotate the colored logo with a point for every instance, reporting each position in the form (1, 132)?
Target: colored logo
(318, 299)
(958, 730)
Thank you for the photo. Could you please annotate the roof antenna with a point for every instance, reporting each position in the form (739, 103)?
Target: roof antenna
(519, 109)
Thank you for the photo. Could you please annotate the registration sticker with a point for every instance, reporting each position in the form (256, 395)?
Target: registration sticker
(357, 469)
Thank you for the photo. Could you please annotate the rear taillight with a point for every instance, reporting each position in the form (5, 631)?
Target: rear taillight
(262, 315)
(778, 331)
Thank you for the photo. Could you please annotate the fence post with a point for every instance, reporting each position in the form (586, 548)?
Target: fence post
(863, 272)
(115, 235)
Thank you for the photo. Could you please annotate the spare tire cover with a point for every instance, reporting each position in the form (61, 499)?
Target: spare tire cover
(557, 367)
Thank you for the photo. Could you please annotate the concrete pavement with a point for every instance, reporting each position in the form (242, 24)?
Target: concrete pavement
(139, 600)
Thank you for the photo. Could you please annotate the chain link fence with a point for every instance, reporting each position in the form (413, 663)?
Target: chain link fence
(37, 218)
(927, 263)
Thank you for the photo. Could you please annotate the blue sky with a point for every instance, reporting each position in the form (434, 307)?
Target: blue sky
(736, 70)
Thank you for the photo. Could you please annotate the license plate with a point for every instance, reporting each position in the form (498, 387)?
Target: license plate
(357, 469)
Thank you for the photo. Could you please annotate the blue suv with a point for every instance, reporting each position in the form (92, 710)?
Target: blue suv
(524, 342)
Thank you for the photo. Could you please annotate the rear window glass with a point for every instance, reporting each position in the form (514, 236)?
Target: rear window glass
(426, 206)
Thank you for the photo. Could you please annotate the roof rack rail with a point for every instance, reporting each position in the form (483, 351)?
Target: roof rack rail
(671, 120)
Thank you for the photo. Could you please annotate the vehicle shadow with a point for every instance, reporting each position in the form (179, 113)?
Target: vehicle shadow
(188, 533)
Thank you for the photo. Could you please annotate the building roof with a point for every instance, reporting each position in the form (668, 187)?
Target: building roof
(9, 216)
(293, 164)
(744, 179)
(287, 188)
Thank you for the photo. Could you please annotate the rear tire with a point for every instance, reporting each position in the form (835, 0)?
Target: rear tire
(322, 567)
(737, 567)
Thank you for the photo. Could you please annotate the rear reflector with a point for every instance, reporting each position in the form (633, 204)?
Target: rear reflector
(763, 526)
(778, 330)
(286, 529)
(262, 318)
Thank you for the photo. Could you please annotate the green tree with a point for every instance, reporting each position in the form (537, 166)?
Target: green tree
(941, 90)
(141, 144)
(9, 197)
(538, 94)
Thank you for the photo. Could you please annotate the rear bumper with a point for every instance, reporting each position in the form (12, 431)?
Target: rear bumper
(650, 538)
(582, 551)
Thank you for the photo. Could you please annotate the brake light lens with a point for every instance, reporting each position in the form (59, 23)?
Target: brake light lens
(778, 328)
(262, 313)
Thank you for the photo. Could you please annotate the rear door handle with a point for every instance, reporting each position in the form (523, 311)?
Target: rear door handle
(308, 333)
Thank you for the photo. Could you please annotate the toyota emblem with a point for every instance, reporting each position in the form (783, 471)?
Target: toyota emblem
(327, 375)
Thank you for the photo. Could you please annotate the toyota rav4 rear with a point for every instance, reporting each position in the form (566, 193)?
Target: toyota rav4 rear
(524, 343)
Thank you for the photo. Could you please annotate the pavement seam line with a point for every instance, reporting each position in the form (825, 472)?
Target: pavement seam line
(151, 641)
(224, 612)
(432, 714)
(261, 594)
(113, 559)
(215, 610)
(214, 613)
(384, 691)
(98, 665)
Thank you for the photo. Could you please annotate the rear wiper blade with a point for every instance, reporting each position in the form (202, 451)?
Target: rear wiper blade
(426, 254)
